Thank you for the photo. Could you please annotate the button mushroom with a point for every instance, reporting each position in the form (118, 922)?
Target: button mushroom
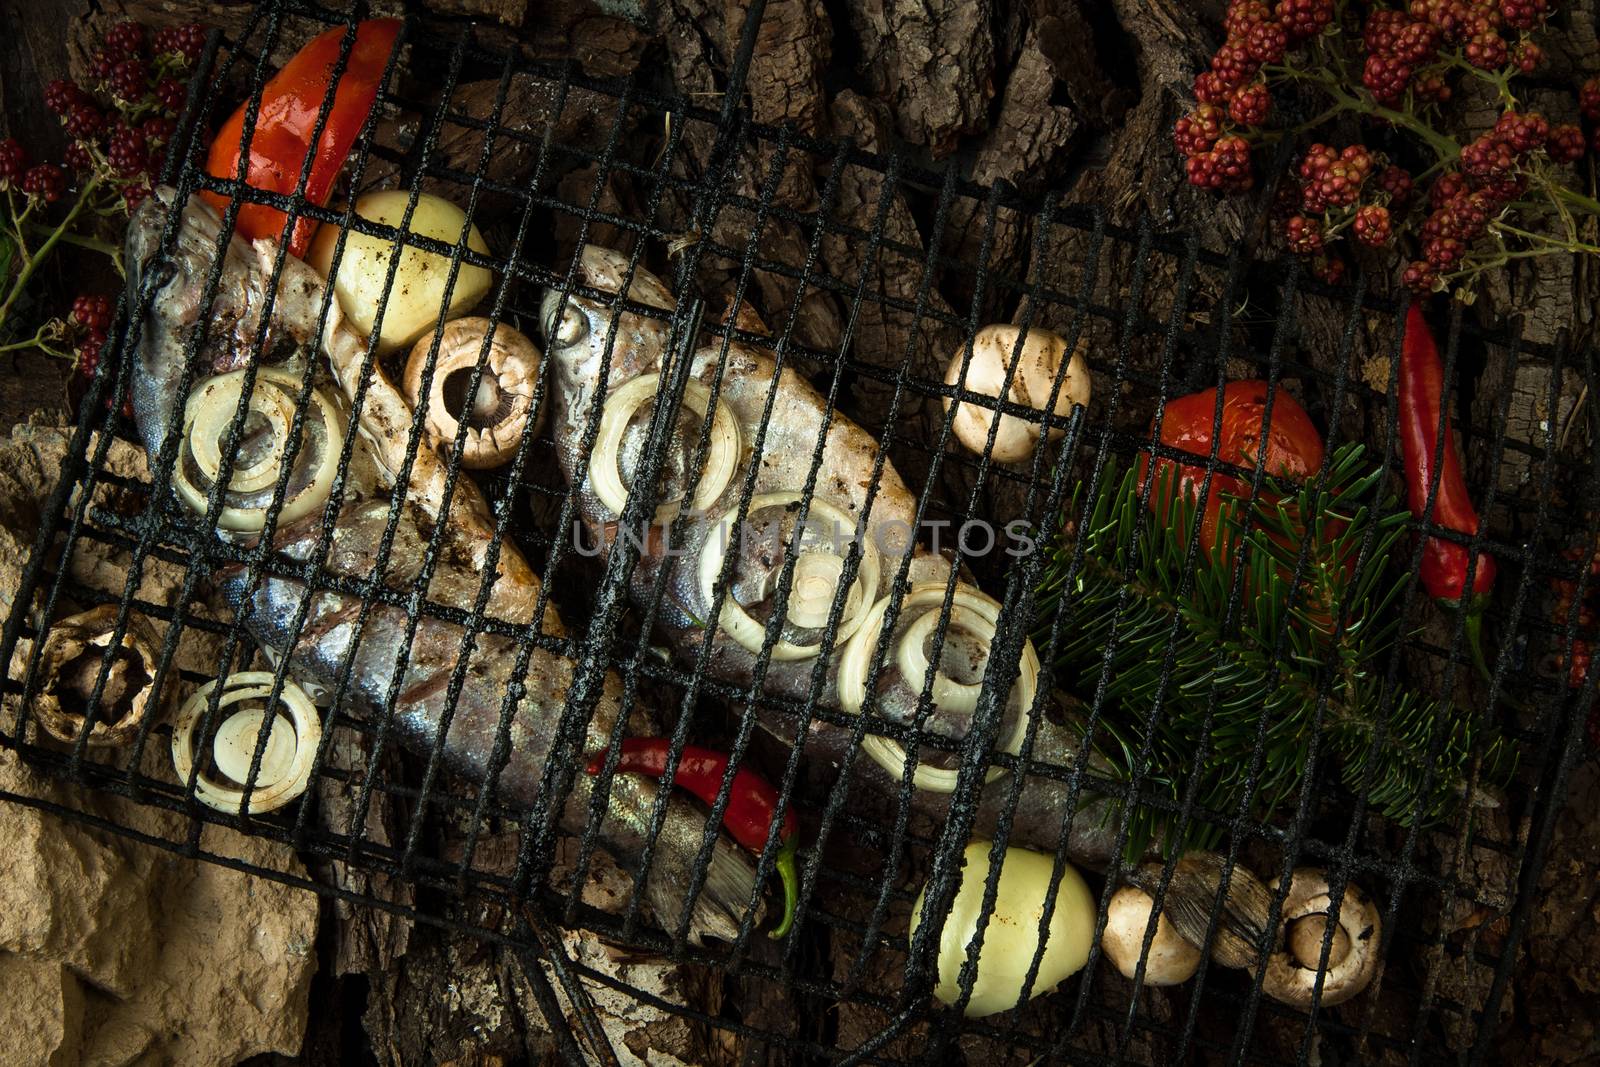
(1292, 974)
(72, 661)
(498, 411)
(1171, 959)
(286, 758)
(1037, 366)
(1011, 934)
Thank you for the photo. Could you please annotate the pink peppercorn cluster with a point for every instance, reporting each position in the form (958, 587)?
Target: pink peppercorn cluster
(1410, 56)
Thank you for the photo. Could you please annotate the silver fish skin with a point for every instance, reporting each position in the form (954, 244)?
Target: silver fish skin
(580, 342)
(327, 647)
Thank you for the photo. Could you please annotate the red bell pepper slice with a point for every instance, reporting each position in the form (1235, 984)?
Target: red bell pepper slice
(286, 120)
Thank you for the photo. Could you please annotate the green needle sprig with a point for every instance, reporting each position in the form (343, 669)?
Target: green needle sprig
(1302, 653)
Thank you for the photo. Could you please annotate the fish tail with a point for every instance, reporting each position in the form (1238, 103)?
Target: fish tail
(729, 881)
(1195, 895)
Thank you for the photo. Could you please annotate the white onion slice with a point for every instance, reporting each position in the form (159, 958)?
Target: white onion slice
(722, 458)
(818, 567)
(207, 418)
(286, 762)
(972, 612)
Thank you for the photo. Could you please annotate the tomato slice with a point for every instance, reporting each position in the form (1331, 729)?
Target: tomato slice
(1294, 447)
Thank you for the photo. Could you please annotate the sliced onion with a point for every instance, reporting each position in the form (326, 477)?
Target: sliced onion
(971, 611)
(818, 567)
(285, 763)
(722, 458)
(207, 419)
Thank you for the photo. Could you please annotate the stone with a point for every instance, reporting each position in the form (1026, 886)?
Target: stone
(41, 1012)
(117, 952)
(232, 978)
(70, 898)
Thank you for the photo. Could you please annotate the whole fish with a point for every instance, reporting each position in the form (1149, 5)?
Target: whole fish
(771, 422)
(382, 662)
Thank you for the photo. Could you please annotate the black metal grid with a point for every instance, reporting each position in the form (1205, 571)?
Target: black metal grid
(1192, 353)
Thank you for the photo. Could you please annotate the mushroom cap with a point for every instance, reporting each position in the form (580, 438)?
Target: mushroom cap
(71, 663)
(1292, 972)
(1037, 365)
(498, 410)
(1170, 961)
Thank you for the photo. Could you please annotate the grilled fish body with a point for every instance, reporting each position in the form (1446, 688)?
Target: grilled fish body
(384, 662)
(781, 422)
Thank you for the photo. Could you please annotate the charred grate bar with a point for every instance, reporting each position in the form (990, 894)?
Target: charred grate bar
(1172, 310)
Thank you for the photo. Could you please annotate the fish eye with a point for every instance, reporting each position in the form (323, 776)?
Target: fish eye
(571, 329)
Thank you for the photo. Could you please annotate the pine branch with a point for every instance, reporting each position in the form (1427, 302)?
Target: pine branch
(1298, 631)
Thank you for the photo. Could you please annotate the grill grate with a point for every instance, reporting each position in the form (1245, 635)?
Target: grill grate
(1179, 302)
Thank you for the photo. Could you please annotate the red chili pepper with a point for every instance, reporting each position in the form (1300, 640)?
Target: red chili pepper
(281, 140)
(1294, 447)
(1444, 563)
(751, 803)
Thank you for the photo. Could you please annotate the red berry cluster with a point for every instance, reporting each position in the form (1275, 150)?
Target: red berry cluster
(13, 162)
(119, 122)
(1225, 168)
(1330, 178)
(46, 181)
(1589, 105)
(1582, 653)
(1492, 174)
(1406, 52)
(180, 44)
(120, 127)
(1233, 93)
(91, 320)
(41, 182)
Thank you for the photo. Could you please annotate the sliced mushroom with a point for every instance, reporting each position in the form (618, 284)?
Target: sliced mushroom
(286, 759)
(259, 451)
(1292, 974)
(74, 653)
(1191, 900)
(1171, 959)
(1037, 367)
(498, 411)
(957, 681)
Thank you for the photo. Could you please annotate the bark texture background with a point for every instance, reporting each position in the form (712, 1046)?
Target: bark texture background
(1074, 98)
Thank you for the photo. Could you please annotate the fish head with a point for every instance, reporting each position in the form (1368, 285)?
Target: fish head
(197, 302)
(584, 335)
